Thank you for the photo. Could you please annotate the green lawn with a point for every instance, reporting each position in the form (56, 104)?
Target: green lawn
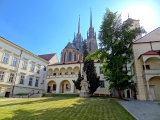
(63, 108)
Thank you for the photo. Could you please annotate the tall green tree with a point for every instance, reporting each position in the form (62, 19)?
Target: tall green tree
(89, 68)
(115, 51)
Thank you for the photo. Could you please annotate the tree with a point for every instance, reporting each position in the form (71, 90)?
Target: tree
(115, 51)
(89, 68)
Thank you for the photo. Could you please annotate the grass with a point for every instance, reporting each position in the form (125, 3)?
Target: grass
(63, 108)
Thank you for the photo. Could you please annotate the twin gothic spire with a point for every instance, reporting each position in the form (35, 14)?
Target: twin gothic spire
(90, 33)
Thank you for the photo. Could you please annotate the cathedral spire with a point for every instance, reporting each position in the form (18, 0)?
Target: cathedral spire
(90, 18)
(79, 25)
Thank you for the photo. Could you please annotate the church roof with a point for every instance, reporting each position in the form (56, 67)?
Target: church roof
(70, 45)
(130, 20)
(47, 56)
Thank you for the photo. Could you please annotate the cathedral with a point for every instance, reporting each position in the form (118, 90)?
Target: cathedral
(73, 50)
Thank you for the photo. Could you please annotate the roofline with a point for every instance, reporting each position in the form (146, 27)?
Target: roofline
(147, 54)
(145, 42)
(48, 54)
(146, 34)
(20, 48)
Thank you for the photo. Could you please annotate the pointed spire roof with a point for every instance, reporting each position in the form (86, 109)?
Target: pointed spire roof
(79, 25)
(90, 17)
(70, 45)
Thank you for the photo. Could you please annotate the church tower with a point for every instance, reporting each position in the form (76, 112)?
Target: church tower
(91, 37)
(78, 40)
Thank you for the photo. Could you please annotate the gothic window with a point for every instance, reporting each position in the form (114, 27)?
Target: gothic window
(74, 56)
(90, 46)
(70, 56)
(64, 57)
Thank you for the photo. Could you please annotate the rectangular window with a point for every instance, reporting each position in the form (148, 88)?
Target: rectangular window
(6, 58)
(147, 67)
(100, 70)
(38, 70)
(15, 61)
(22, 79)
(36, 83)
(30, 81)
(32, 67)
(72, 73)
(0, 89)
(1, 75)
(102, 84)
(25, 65)
(66, 73)
(11, 78)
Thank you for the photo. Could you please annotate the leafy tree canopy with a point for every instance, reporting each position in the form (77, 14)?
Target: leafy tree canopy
(115, 51)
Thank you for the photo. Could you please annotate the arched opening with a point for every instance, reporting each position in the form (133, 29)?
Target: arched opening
(51, 87)
(62, 71)
(50, 72)
(154, 85)
(76, 70)
(65, 86)
(152, 63)
(56, 71)
(69, 71)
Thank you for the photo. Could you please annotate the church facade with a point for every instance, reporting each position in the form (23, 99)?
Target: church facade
(73, 50)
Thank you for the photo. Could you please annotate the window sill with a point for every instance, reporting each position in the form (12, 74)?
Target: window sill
(24, 68)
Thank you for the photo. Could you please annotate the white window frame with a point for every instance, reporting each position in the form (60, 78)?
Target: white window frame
(25, 63)
(37, 82)
(5, 58)
(100, 70)
(15, 61)
(11, 77)
(102, 84)
(30, 81)
(32, 67)
(22, 78)
(38, 69)
(2, 73)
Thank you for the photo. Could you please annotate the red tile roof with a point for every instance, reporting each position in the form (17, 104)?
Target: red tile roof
(150, 52)
(47, 56)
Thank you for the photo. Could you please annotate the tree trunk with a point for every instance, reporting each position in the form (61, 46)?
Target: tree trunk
(119, 94)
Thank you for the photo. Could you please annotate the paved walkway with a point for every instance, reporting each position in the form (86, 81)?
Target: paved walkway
(9, 99)
(142, 110)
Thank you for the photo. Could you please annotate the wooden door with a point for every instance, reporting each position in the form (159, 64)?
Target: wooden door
(152, 93)
(7, 94)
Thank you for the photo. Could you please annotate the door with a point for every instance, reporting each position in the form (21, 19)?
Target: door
(7, 94)
(62, 88)
(128, 93)
(152, 92)
(49, 89)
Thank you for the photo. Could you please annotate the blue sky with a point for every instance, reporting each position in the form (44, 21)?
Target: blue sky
(46, 26)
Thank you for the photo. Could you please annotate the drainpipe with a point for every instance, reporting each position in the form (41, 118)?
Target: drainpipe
(16, 73)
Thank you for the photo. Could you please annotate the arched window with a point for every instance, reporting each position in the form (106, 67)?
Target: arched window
(70, 56)
(64, 57)
(90, 46)
(74, 56)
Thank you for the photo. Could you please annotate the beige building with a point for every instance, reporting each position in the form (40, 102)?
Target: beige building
(60, 76)
(21, 68)
(145, 66)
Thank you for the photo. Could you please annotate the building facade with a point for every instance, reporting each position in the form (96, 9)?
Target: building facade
(21, 69)
(60, 76)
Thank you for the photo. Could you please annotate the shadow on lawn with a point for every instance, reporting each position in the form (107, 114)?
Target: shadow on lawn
(48, 114)
(82, 109)
(35, 101)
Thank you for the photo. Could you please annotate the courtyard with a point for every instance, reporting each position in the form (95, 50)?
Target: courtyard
(63, 108)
